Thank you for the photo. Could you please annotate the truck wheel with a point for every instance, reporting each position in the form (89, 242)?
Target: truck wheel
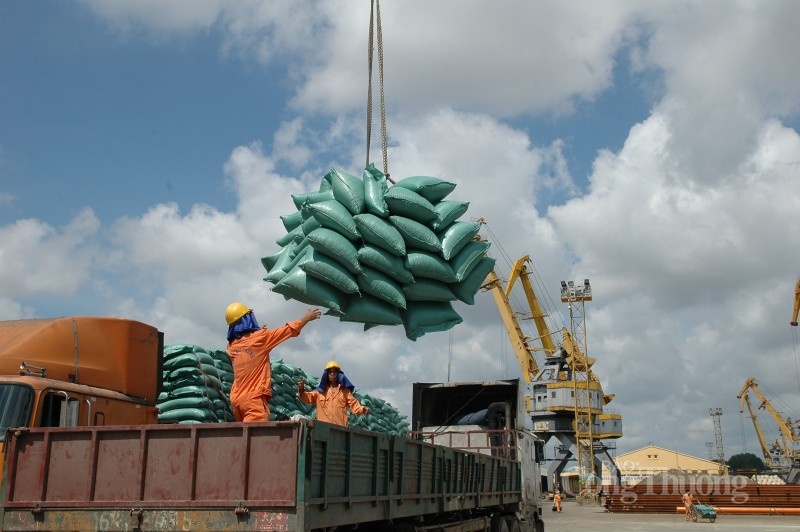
(499, 524)
(513, 524)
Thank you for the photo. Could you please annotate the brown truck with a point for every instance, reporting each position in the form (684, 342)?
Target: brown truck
(298, 475)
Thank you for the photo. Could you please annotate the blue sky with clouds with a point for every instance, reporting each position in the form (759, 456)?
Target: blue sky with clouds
(147, 150)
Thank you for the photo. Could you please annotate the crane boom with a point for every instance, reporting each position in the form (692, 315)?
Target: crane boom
(522, 349)
(520, 271)
(745, 400)
(796, 303)
(784, 425)
(787, 448)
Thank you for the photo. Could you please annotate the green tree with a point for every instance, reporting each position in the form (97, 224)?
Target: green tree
(745, 461)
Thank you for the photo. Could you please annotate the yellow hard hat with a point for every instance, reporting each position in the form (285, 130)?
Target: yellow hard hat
(332, 364)
(235, 311)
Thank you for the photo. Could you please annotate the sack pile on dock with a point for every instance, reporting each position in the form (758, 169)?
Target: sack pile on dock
(197, 385)
(380, 255)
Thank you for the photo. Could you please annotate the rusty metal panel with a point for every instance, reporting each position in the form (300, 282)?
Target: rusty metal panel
(275, 454)
(31, 459)
(69, 471)
(160, 466)
(117, 475)
(168, 464)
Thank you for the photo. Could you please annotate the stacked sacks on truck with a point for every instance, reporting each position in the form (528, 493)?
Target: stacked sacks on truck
(382, 417)
(193, 389)
(222, 361)
(285, 402)
(381, 255)
(197, 385)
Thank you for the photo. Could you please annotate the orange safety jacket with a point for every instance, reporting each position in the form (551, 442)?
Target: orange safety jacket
(252, 375)
(332, 404)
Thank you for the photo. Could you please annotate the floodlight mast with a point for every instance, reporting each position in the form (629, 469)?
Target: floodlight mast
(716, 413)
(576, 297)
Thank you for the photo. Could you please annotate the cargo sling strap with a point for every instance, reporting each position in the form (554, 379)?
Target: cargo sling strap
(375, 22)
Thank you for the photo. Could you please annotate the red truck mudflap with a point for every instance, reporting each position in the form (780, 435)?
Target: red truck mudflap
(280, 476)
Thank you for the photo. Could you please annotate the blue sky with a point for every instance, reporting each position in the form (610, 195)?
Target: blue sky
(140, 121)
(147, 150)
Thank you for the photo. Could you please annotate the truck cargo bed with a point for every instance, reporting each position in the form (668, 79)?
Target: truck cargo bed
(291, 475)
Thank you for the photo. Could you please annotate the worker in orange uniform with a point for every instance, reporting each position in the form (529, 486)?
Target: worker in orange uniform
(333, 397)
(688, 501)
(249, 347)
(557, 500)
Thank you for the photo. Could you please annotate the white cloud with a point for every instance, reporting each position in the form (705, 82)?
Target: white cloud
(36, 258)
(204, 240)
(724, 71)
(12, 310)
(505, 58)
(646, 225)
(161, 15)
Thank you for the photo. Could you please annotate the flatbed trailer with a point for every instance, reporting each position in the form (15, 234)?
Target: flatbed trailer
(298, 475)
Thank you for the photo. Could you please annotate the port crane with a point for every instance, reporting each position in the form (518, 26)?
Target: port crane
(782, 456)
(550, 397)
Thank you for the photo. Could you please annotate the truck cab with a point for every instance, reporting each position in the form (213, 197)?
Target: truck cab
(486, 417)
(78, 371)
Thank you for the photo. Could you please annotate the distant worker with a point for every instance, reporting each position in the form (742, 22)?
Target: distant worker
(688, 501)
(249, 347)
(557, 500)
(600, 497)
(333, 397)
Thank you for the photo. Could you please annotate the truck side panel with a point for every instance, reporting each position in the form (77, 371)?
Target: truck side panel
(267, 476)
(161, 466)
(361, 476)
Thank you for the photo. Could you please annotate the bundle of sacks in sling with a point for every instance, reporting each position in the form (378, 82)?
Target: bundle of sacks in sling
(381, 255)
(197, 385)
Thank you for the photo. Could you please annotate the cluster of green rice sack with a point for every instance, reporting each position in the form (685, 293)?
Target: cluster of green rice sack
(382, 417)
(285, 401)
(381, 255)
(197, 385)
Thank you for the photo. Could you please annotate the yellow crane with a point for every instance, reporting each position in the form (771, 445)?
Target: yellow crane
(796, 303)
(783, 456)
(550, 398)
